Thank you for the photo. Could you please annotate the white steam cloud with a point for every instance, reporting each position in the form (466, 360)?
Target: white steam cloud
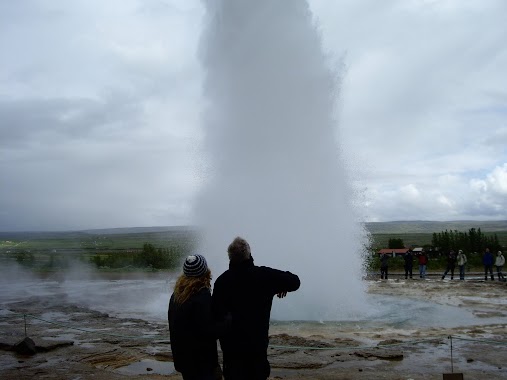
(274, 173)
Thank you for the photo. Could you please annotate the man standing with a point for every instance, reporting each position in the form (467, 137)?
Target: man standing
(384, 265)
(451, 264)
(245, 292)
(408, 264)
(487, 261)
(462, 260)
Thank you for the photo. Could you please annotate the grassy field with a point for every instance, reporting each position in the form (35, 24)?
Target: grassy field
(419, 233)
(57, 250)
(428, 227)
(91, 240)
(52, 250)
(380, 240)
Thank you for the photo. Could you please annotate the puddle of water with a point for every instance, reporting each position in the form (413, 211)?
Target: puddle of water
(148, 366)
(5, 312)
(8, 362)
(85, 345)
(156, 350)
(61, 337)
(148, 299)
(55, 316)
(51, 362)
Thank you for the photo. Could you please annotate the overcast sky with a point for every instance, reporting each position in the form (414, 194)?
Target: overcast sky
(100, 106)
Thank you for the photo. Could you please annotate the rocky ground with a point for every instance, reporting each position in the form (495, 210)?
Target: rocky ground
(75, 342)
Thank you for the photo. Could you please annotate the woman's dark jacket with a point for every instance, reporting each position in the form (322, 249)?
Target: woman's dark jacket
(451, 259)
(245, 293)
(193, 335)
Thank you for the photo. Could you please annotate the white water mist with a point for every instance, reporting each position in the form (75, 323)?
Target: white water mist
(274, 174)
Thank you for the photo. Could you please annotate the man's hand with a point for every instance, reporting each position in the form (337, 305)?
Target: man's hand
(281, 294)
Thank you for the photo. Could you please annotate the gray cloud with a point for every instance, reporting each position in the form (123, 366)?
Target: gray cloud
(423, 97)
(100, 106)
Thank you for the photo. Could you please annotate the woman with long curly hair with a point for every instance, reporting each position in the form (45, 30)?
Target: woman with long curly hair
(191, 328)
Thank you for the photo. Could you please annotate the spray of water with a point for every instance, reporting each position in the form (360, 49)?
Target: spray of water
(274, 172)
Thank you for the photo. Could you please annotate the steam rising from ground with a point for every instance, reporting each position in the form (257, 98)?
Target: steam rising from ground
(274, 172)
(126, 295)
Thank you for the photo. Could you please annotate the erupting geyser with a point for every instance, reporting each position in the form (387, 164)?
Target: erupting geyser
(274, 173)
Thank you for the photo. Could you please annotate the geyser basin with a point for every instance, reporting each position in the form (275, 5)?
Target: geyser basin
(418, 305)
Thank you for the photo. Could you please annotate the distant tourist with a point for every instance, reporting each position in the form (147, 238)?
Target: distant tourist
(423, 261)
(191, 327)
(409, 262)
(462, 260)
(451, 264)
(384, 264)
(499, 263)
(246, 291)
(487, 261)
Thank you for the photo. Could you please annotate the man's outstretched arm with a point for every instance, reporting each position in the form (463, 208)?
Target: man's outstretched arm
(283, 282)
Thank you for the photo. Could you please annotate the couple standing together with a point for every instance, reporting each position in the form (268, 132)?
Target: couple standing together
(237, 314)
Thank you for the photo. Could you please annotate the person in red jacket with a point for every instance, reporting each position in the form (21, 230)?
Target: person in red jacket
(423, 261)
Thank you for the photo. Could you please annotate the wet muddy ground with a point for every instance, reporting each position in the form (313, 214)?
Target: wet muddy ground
(76, 342)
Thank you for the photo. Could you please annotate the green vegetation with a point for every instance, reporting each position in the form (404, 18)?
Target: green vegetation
(381, 240)
(160, 250)
(435, 263)
(473, 240)
(148, 257)
(396, 243)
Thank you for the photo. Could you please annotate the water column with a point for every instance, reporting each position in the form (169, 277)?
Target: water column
(273, 170)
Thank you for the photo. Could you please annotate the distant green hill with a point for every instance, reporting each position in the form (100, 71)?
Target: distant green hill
(139, 230)
(420, 226)
(395, 227)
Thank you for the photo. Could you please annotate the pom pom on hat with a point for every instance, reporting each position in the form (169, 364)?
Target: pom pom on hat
(195, 266)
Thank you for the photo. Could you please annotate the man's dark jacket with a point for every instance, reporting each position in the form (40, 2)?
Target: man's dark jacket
(193, 335)
(245, 292)
(409, 259)
(487, 259)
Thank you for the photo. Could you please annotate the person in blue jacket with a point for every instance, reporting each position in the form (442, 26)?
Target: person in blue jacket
(487, 261)
(192, 330)
(245, 292)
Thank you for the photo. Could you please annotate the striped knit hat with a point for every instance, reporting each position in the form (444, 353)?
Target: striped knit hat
(195, 266)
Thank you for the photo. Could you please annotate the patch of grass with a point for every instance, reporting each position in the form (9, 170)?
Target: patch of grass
(58, 251)
(428, 227)
(380, 240)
